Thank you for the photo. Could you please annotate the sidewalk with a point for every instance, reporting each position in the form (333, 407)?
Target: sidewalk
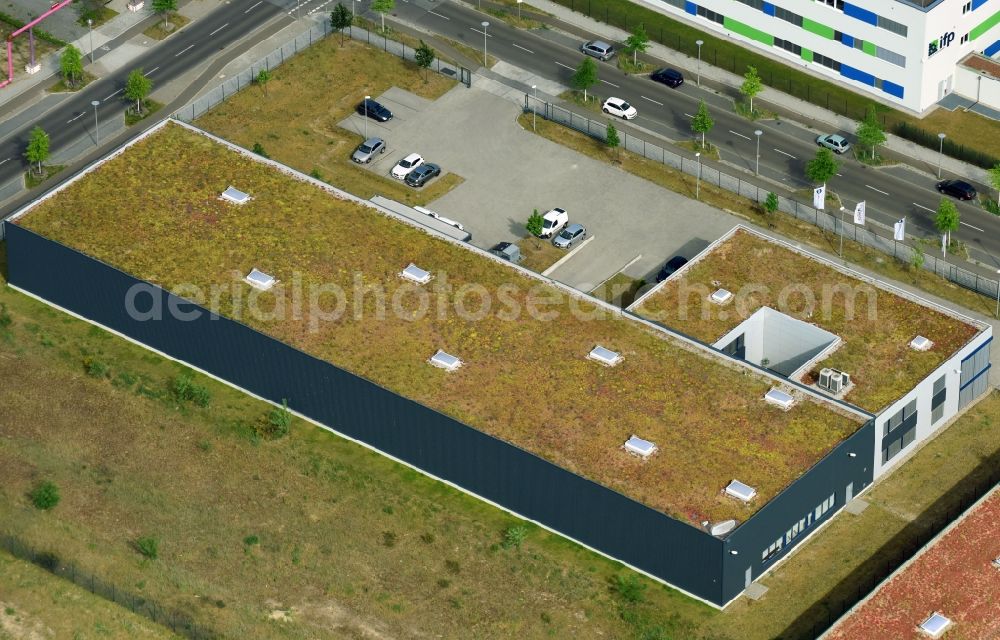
(811, 115)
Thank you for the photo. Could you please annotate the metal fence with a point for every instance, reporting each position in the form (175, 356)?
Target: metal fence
(247, 77)
(874, 234)
(177, 622)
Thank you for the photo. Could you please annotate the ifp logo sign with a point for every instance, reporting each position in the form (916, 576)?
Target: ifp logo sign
(942, 42)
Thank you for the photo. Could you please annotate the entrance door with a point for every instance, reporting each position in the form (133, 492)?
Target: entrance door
(849, 493)
(749, 577)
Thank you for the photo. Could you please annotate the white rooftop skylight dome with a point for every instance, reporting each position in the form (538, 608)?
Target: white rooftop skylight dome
(414, 273)
(722, 296)
(445, 361)
(234, 195)
(606, 357)
(921, 343)
(639, 447)
(935, 626)
(779, 398)
(260, 280)
(740, 491)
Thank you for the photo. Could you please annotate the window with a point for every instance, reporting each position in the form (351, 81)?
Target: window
(788, 46)
(772, 550)
(711, 15)
(891, 56)
(756, 4)
(788, 16)
(826, 62)
(937, 399)
(905, 417)
(838, 4)
(890, 25)
(964, 39)
(966, 8)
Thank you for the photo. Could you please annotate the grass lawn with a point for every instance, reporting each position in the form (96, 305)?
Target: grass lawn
(61, 87)
(99, 16)
(539, 254)
(966, 128)
(620, 290)
(785, 225)
(296, 121)
(161, 30)
(33, 179)
(149, 107)
(669, 394)
(309, 536)
(36, 604)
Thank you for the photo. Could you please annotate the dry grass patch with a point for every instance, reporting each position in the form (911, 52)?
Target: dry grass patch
(521, 370)
(876, 326)
(539, 254)
(294, 117)
(161, 30)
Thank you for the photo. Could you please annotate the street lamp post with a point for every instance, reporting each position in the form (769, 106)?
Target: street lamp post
(534, 105)
(486, 62)
(941, 137)
(699, 43)
(90, 23)
(519, 9)
(842, 210)
(756, 170)
(998, 293)
(367, 98)
(97, 130)
(697, 180)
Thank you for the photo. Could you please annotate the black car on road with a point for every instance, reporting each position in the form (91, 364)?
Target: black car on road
(670, 77)
(374, 110)
(419, 176)
(957, 189)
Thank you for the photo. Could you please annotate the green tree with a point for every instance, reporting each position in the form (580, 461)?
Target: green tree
(946, 219)
(535, 222)
(340, 19)
(424, 57)
(771, 203)
(636, 42)
(585, 76)
(752, 85)
(382, 7)
(263, 77)
(164, 7)
(870, 132)
(45, 495)
(823, 167)
(71, 65)
(702, 122)
(612, 140)
(38, 148)
(995, 180)
(137, 87)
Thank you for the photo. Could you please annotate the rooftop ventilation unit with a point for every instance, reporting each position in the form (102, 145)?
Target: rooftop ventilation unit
(260, 280)
(740, 491)
(921, 343)
(935, 625)
(605, 356)
(445, 361)
(833, 380)
(234, 195)
(415, 274)
(640, 447)
(722, 296)
(722, 528)
(779, 398)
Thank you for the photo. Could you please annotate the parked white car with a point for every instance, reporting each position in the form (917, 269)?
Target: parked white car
(406, 165)
(553, 221)
(620, 108)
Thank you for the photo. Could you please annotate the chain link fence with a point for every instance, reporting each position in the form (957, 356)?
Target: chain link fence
(177, 622)
(873, 234)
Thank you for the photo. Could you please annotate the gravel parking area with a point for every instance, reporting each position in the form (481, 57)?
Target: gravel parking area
(509, 171)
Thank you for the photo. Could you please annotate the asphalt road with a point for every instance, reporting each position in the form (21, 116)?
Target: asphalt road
(784, 147)
(73, 118)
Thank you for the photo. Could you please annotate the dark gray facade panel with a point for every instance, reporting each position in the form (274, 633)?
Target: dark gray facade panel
(831, 475)
(596, 516)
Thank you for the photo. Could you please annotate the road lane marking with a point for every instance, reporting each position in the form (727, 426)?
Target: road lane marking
(7, 160)
(840, 175)
(254, 6)
(112, 95)
(739, 134)
(611, 83)
(560, 64)
(971, 227)
(150, 71)
(923, 207)
(221, 28)
(688, 115)
(80, 115)
(651, 100)
(439, 15)
(480, 32)
(315, 9)
(885, 193)
(522, 48)
(184, 50)
(784, 153)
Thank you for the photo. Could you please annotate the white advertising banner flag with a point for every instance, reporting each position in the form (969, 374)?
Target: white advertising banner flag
(859, 213)
(899, 229)
(819, 197)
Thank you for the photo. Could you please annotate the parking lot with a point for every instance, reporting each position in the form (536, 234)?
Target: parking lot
(509, 172)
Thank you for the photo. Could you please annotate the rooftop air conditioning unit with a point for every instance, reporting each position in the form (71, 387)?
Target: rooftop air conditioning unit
(833, 380)
(824, 377)
(639, 447)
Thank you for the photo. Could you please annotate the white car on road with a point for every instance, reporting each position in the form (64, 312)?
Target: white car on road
(620, 108)
(406, 165)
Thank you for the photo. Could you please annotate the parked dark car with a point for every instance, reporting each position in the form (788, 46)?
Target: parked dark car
(374, 110)
(671, 267)
(669, 77)
(957, 189)
(419, 176)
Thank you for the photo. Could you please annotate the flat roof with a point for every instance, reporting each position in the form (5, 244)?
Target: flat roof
(875, 324)
(153, 211)
(953, 576)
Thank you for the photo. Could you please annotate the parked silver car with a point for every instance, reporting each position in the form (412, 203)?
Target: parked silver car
(368, 149)
(833, 142)
(570, 235)
(599, 49)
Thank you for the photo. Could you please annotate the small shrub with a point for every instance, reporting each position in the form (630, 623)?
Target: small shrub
(989, 204)
(514, 536)
(95, 368)
(452, 567)
(387, 509)
(45, 496)
(315, 173)
(444, 583)
(251, 540)
(277, 422)
(205, 445)
(148, 546)
(427, 538)
(258, 148)
(546, 618)
(184, 389)
(389, 539)
(125, 379)
(629, 588)
(5, 318)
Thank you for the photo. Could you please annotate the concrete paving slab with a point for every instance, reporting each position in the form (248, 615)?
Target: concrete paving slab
(755, 591)
(856, 507)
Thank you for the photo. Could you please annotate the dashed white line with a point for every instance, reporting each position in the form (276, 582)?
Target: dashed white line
(611, 83)
(315, 9)
(185, 50)
(689, 115)
(739, 134)
(3, 161)
(564, 66)
(522, 48)
(971, 227)
(219, 29)
(785, 153)
(112, 95)
(480, 32)
(885, 193)
(922, 207)
(439, 15)
(254, 6)
(651, 100)
(150, 71)
(840, 175)
(80, 115)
